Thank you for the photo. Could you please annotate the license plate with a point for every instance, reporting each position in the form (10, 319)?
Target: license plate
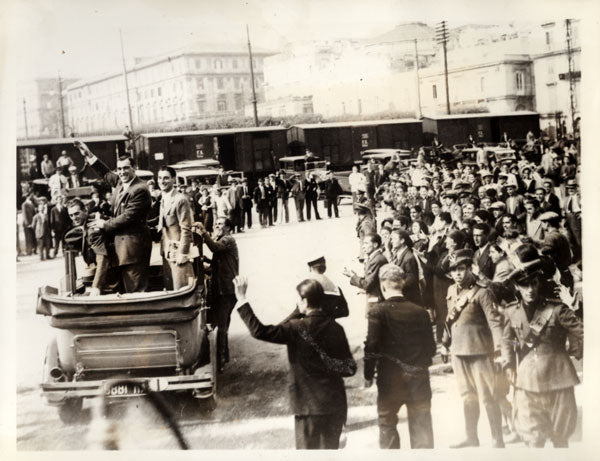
(123, 390)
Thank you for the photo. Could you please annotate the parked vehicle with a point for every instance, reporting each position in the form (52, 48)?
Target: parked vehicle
(159, 341)
(303, 165)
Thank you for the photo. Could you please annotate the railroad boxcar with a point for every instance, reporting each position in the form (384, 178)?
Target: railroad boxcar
(341, 143)
(485, 127)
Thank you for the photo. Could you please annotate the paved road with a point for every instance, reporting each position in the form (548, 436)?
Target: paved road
(253, 410)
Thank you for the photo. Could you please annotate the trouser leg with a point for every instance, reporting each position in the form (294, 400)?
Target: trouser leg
(387, 415)
(134, 277)
(328, 203)
(224, 307)
(307, 436)
(308, 212)
(468, 391)
(331, 430)
(563, 414)
(335, 207)
(299, 209)
(40, 249)
(420, 426)
(286, 210)
(315, 203)
(484, 376)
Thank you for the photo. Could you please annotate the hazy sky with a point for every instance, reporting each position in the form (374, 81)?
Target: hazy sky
(80, 37)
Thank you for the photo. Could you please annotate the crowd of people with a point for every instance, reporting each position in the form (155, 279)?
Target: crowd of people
(491, 250)
(482, 257)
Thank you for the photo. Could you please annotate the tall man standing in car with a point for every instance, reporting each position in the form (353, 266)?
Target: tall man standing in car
(475, 334)
(59, 222)
(130, 206)
(175, 225)
(319, 357)
(224, 267)
(400, 347)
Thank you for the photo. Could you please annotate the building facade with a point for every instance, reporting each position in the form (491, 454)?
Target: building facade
(39, 110)
(553, 87)
(179, 88)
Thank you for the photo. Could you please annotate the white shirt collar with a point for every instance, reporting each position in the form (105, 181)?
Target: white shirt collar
(127, 184)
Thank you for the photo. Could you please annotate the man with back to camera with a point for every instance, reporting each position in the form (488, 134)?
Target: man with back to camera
(224, 267)
(130, 205)
(400, 347)
(320, 358)
(175, 225)
(335, 303)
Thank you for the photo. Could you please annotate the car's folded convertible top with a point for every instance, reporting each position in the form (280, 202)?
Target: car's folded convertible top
(51, 303)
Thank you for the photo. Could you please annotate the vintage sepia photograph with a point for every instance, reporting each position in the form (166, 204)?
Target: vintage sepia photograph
(302, 225)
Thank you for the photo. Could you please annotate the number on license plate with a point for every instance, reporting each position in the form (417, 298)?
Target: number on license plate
(125, 389)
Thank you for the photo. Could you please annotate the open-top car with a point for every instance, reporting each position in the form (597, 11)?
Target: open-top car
(158, 340)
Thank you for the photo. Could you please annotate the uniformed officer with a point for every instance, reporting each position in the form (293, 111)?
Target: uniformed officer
(534, 345)
(400, 346)
(335, 302)
(473, 332)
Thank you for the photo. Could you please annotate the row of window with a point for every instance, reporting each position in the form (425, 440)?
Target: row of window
(224, 63)
(519, 84)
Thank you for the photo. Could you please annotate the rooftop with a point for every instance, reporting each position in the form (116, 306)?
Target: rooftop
(55, 141)
(480, 115)
(309, 126)
(214, 132)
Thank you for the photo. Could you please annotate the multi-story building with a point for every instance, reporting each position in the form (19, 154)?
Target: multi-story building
(191, 84)
(554, 85)
(39, 110)
(479, 82)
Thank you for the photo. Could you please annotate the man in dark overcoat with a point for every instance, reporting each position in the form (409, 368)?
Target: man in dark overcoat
(400, 347)
(319, 357)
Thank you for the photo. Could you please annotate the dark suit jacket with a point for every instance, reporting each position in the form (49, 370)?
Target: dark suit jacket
(311, 189)
(400, 346)
(319, 357)
(59, 220)
(370, 281)
(129, 210)
(225, 263)
(262, 204)
(408, 264)
(298, 190)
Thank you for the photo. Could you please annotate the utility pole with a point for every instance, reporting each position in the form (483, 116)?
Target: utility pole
(62, 110)
(571, 72)
(417, 77)
(442, 37)
(132, 136)
(252, 78)
(25, 119)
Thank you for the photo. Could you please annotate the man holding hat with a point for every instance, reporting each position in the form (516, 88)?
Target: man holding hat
(473, 333)
(534, 348)
(335, 303)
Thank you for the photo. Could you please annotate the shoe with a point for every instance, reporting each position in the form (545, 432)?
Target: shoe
(318, 217)
(512, 437)
(466, 443)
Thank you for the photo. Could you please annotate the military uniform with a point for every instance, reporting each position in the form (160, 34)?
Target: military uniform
(544, 401)
(476, 328)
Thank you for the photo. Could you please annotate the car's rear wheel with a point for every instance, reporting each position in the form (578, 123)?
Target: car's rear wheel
(70, 411)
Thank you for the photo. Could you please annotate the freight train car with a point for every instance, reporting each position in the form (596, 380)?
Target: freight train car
(341, 143)
(252, 150)
(455, 129)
